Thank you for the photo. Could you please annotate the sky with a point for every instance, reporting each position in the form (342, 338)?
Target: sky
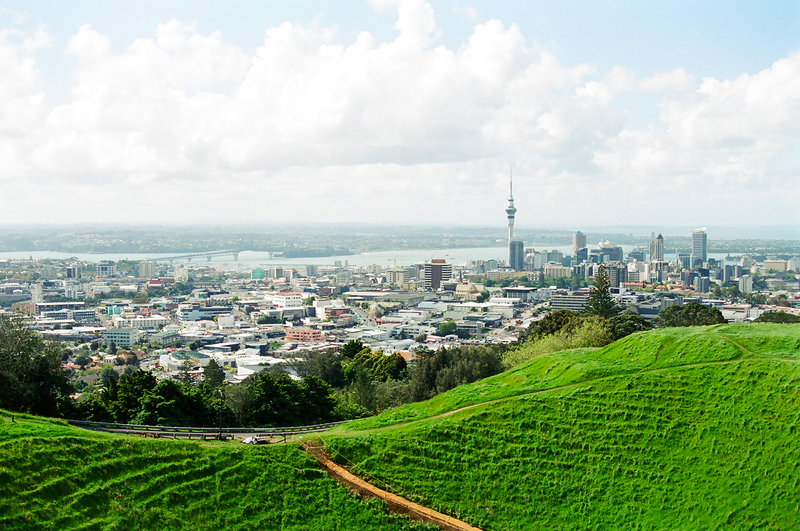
(401, 112)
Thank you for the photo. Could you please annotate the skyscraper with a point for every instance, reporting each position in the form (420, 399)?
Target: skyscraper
(657, 249)
(578, 242)
(699, 245)
(516, 256)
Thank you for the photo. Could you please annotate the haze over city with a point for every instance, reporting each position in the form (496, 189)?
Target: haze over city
(401, 112)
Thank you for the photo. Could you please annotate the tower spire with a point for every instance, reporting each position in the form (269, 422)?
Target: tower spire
(511, 185)
(510, 209)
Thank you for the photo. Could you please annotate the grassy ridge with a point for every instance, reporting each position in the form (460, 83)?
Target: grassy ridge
(672, 429)
(56, 476)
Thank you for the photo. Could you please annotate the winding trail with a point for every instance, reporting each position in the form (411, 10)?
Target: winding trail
(396, 504)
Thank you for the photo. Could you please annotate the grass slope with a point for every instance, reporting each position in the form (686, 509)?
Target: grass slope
(671, 429)
(55, 476)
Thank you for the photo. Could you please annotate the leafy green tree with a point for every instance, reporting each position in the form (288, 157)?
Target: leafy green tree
(601, 303)
(447, 328)
(31, 375)
(627, 323)
(94, 407)
(692, 314)
(82, 361)
(326, 365)
(113, 349)
(130, 391)
(553, 322)
(213, 374)
(778, 317)
(108, 374)
(351, 348)
(184, 373)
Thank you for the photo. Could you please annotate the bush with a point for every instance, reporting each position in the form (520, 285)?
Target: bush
(778, 317)
(692, 314)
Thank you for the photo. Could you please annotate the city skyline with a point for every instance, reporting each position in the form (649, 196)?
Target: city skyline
(191, 113)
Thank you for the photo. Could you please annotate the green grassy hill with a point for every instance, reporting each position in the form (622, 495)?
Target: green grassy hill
(671, 429)
(54, 476)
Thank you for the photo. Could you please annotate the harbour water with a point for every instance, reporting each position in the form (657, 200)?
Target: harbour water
(249, 259)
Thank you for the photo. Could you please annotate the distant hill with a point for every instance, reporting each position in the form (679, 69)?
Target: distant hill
(692, 428)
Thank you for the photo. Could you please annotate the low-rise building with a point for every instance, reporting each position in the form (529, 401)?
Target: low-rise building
(304, 335)
(121, 337)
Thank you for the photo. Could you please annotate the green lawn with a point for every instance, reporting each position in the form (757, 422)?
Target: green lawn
(53, 476)
(671, 429)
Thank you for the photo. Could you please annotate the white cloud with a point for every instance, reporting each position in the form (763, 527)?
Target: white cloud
(467, 12)
(405, 127)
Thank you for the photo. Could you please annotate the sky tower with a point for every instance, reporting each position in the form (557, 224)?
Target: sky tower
(510, 209)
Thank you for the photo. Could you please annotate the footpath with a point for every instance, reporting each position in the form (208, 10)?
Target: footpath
(395, 503)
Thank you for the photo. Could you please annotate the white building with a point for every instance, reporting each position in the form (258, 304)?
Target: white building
(746, 284)
(121, 337)
(287, 300)
(140, 322)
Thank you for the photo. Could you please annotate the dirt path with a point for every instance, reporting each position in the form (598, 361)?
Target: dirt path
(395, 503)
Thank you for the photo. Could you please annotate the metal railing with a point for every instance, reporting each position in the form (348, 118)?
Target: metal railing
(204, 433)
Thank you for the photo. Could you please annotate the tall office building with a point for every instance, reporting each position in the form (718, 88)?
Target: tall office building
(699, 246)
(516, 255)
(578, 242)
(657, 249)
(436, 272)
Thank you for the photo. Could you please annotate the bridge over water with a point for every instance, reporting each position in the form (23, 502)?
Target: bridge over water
(208, 256)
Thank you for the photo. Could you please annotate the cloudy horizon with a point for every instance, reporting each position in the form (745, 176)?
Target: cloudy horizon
(397, 117)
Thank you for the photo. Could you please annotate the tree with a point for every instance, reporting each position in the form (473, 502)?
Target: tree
(82, 361)
(553, 322)
(108, 374)
(601, 303)
(778, 317)
(447, 328)
(213, 374)
(130, 391)
(184, 373)
(627, 323)
(31, 375)
(692, 314)
(113, 349)
(351, 348)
